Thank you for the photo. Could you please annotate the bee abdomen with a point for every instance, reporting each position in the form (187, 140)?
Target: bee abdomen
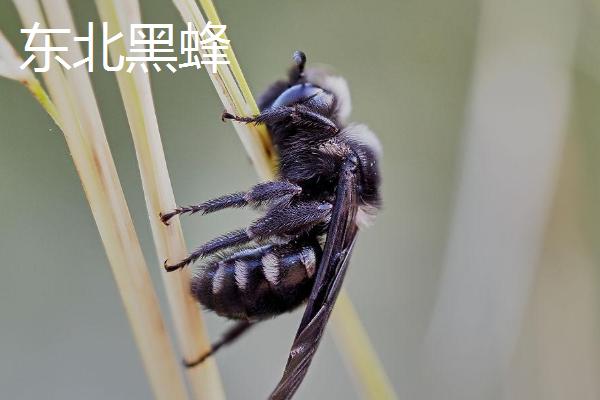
(258, 283)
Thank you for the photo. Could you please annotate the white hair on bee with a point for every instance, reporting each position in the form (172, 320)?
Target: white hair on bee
(270, 264)
(281, 239)
(332, 148)
(247, 252)
(361, 134)
(335, 84)
(241, 274)
(307, 255)
(218, 278)
(365, 216)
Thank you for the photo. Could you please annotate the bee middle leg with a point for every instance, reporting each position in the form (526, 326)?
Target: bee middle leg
(280, 221)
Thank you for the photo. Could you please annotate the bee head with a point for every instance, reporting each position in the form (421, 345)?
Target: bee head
(304, 91)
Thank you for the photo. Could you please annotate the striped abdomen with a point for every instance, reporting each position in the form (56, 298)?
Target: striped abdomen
(258, 283)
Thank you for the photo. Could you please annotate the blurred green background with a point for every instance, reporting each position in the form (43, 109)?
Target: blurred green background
(410, 68)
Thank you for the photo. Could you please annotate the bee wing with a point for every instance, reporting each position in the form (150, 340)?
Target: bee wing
(330, 275)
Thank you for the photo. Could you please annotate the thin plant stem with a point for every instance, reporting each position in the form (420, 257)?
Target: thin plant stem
(255, 139)
(37, 90)
(357, 352)
(137, 98)
(10, 67)
(80, 122)
(212, 15)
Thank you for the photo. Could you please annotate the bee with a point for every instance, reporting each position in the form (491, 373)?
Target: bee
(327, 187)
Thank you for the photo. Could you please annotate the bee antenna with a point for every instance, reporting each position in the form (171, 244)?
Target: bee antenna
(300, 60)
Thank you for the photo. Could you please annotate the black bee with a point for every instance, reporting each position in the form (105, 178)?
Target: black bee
(327, 186)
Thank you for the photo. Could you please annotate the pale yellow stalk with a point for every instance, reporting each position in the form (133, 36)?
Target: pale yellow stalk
(350, 337)
(212, 15)
(10, 62)
(361, 358)
(10, 68)
(255, 139)
(79, 118)
(139, 105)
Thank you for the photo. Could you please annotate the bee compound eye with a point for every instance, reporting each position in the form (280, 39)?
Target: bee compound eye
(297, 94)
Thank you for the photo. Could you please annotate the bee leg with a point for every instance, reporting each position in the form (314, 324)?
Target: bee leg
(230, 239)
(228, 337)
(272, 191)
(298, 116)
(267, 116)
(257, 195)
(302, 116)
(292, 220)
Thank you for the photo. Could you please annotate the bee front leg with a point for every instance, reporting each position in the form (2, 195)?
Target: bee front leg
(267, 116)
(259, 194)
(298, 116)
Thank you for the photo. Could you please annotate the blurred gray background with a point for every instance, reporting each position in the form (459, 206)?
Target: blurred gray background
(410, 65)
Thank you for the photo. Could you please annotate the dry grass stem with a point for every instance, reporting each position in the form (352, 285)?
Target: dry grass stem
(357, 352)
(255, 139)
(137, 97)
(79, 119)
(10, 64)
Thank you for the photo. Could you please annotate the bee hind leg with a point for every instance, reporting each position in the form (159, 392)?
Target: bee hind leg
(228, 337)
